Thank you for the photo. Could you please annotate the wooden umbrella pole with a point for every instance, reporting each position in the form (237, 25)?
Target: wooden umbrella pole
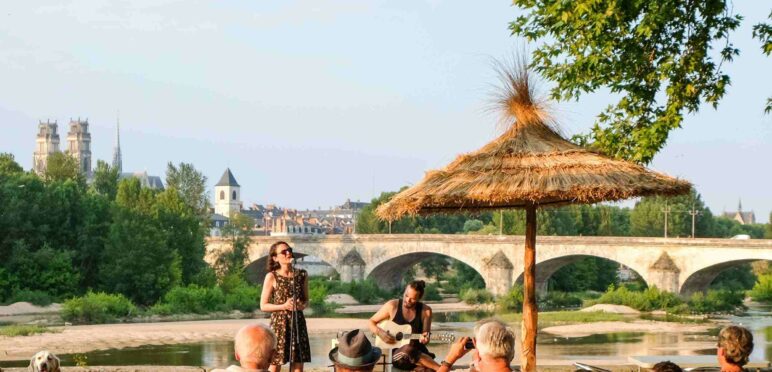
(528, 358)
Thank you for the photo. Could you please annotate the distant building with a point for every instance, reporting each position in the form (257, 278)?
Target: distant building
(79, 145)
(46, 144)
(227, 195)
(153, 182)
(744, 218)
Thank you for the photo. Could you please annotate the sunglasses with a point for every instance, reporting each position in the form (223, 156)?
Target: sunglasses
(284, 252)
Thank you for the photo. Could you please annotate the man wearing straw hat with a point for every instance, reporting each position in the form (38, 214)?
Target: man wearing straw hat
(354, 353)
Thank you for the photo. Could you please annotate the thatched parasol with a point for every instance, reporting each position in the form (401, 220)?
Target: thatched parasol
(529, 166)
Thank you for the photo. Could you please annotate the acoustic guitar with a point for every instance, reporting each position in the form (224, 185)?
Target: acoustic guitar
(402, 334)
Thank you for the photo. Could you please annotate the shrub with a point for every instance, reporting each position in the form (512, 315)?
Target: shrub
(317, 293)
(244, 298)
(715, 301)
(475, 296)
(364, 291)
(559, 300)
(97, 308)
(512, 300)
(36, 297)
(24, 330)
(762, 290)
(192, 299)
(648, 300)
(432, 293)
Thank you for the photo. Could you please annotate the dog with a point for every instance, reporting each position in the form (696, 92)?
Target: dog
(44, 361)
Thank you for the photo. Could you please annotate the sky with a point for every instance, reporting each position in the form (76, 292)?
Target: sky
(310, 103)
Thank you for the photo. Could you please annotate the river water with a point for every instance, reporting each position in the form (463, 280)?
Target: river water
(608, 348)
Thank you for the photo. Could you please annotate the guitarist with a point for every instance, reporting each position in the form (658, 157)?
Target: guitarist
(408, 310)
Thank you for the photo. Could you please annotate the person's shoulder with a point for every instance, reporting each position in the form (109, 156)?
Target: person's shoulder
(427, 308)
(392, 303)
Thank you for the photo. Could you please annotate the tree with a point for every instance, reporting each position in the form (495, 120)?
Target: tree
(648, 216)
(238, 230)
(434, 266)
(184, 232)
(191, 185)
(655, 55)
(137, 261)
(8, 165)
(768, 230)
(61, 167)
(105, 180)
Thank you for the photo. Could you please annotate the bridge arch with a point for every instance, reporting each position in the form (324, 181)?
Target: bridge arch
(547, 267)
(495, 269)
(700, 280)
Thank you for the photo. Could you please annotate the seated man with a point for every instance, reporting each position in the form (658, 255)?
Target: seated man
(734, 348)
(494, 345)
(408, 310)
(354, 353)
(254, 345)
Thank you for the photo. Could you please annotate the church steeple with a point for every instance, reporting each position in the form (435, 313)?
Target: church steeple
(739, 205)
(117, 161)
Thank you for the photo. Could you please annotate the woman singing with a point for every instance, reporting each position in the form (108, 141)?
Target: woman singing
(282, 282)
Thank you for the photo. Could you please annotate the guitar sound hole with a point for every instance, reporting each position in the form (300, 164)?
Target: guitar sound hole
(399, 336)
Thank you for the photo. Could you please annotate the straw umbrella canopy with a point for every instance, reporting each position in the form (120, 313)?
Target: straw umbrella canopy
(529, 166)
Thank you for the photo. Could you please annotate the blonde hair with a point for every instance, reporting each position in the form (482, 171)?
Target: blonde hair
(737, 343)
(255, 343)
(495, 339)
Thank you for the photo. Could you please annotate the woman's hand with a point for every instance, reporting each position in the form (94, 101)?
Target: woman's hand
(289, 305)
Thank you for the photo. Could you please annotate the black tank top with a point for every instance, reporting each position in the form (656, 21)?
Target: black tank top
(417, 325)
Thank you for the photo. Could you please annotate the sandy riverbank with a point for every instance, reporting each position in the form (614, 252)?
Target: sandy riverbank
(648, 326)
(80, 339)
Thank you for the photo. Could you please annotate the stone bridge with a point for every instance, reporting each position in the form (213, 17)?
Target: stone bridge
(681, 266)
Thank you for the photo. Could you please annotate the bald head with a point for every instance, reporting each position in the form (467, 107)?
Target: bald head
(254, 345)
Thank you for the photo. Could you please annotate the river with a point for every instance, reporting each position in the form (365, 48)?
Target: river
(602, 348)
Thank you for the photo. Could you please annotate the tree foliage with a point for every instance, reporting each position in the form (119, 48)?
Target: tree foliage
(8, 165)
(661, 58)
(105, 180)
(62, 167)
(191, 185)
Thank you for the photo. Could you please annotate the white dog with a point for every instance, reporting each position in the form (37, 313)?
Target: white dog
(44, 361)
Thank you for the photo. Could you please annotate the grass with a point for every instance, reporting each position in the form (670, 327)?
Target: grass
(24, 330)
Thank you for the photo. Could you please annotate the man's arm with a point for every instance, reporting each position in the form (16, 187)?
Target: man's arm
(455, 353)
(427, 321)
(383, 313)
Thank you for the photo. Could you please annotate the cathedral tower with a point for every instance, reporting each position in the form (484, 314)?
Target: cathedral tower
(79, 145)
(227, 195)
(47, 143)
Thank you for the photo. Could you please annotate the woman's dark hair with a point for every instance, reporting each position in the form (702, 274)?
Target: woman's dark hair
(271, 264)
(418, 286)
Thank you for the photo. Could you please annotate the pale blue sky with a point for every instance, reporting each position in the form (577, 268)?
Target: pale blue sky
(313, 102)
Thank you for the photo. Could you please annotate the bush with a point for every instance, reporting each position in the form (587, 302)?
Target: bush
(97, 308)
(39, 298)
(715, 301)
(553, 300)
(244, 298)
(432, 293)
(512, 300)
(474, 296)
(364, 291)
(648, 300)
(762, 290)
(191, 299)
(317, 293)
(24, 330)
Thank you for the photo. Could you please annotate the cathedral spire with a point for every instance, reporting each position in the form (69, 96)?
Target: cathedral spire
(117, 161)
(740, 205)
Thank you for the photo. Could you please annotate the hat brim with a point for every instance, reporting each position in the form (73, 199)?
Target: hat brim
(367, 360)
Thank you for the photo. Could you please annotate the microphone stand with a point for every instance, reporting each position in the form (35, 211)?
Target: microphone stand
(294, 330)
